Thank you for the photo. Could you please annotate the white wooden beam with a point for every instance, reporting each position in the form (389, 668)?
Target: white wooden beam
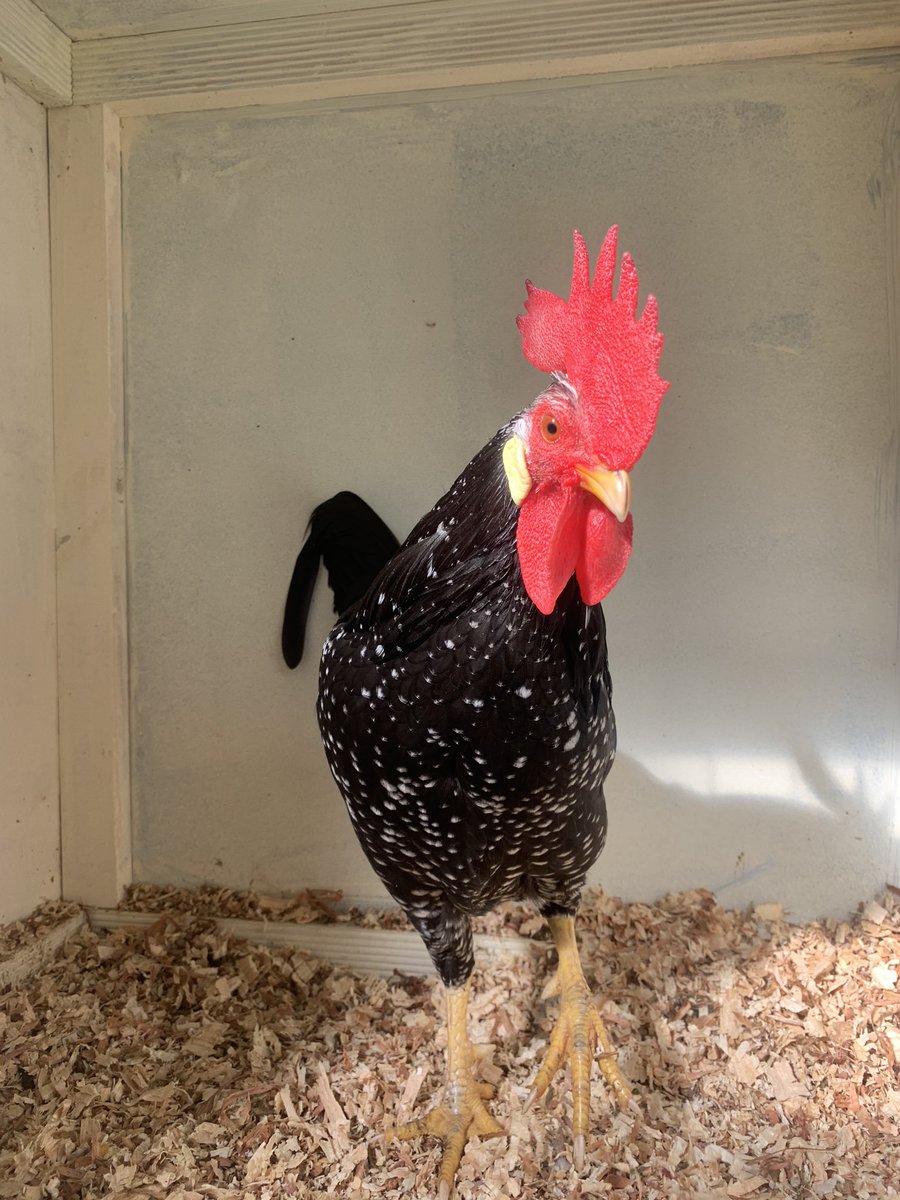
(29, 958)
(34, 53)
(370, 951)
(86, 270)
(451, 43)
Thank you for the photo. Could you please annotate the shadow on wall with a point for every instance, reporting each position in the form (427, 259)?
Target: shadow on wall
(818, 855)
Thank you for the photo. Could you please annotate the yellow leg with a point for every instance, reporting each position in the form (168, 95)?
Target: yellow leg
(463, 1112)
(578, 1031)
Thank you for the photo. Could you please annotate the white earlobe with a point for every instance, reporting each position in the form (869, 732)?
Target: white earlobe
(514, 465)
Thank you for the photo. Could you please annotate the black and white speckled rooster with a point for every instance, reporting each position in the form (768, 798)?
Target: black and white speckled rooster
(464, 701)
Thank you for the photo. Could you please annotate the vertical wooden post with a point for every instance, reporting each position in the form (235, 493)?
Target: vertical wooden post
(86, 271)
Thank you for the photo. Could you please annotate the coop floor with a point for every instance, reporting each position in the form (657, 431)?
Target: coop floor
(177, 1062)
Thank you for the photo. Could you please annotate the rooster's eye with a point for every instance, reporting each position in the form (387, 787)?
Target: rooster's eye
(550, 428)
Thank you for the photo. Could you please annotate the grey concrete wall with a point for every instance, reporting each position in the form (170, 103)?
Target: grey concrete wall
(29, 778)
(326, 300)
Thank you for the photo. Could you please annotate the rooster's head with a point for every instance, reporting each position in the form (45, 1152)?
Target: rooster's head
(567, 463)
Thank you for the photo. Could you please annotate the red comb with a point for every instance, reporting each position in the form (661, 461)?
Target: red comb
(610, 355)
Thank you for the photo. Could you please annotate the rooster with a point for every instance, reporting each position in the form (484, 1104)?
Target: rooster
(465, 700)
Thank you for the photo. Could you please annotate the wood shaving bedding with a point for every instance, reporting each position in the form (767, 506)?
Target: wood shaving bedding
(177, 1062)
(41, 921)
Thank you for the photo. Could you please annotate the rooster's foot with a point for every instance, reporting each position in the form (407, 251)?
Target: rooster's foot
(462, 1114)
(578, 1033)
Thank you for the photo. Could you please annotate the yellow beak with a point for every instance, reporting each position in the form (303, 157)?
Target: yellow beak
(613, 488)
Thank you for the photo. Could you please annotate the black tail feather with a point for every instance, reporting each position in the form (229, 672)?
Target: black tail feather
(354, 543)
(299, 597)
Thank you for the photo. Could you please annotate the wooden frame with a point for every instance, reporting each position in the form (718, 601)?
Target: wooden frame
(270, 52)
(358, 51)
(34, 53)
(86, 286)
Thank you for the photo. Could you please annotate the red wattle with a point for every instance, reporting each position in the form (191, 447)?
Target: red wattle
(562, 530)
(547, 538)
(605, 550)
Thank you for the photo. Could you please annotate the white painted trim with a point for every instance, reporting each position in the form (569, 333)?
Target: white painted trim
(86, 272)
(34, 53)
(370, 951)
(452, 43)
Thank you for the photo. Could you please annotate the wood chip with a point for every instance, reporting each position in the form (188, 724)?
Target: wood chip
(178, 1063)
